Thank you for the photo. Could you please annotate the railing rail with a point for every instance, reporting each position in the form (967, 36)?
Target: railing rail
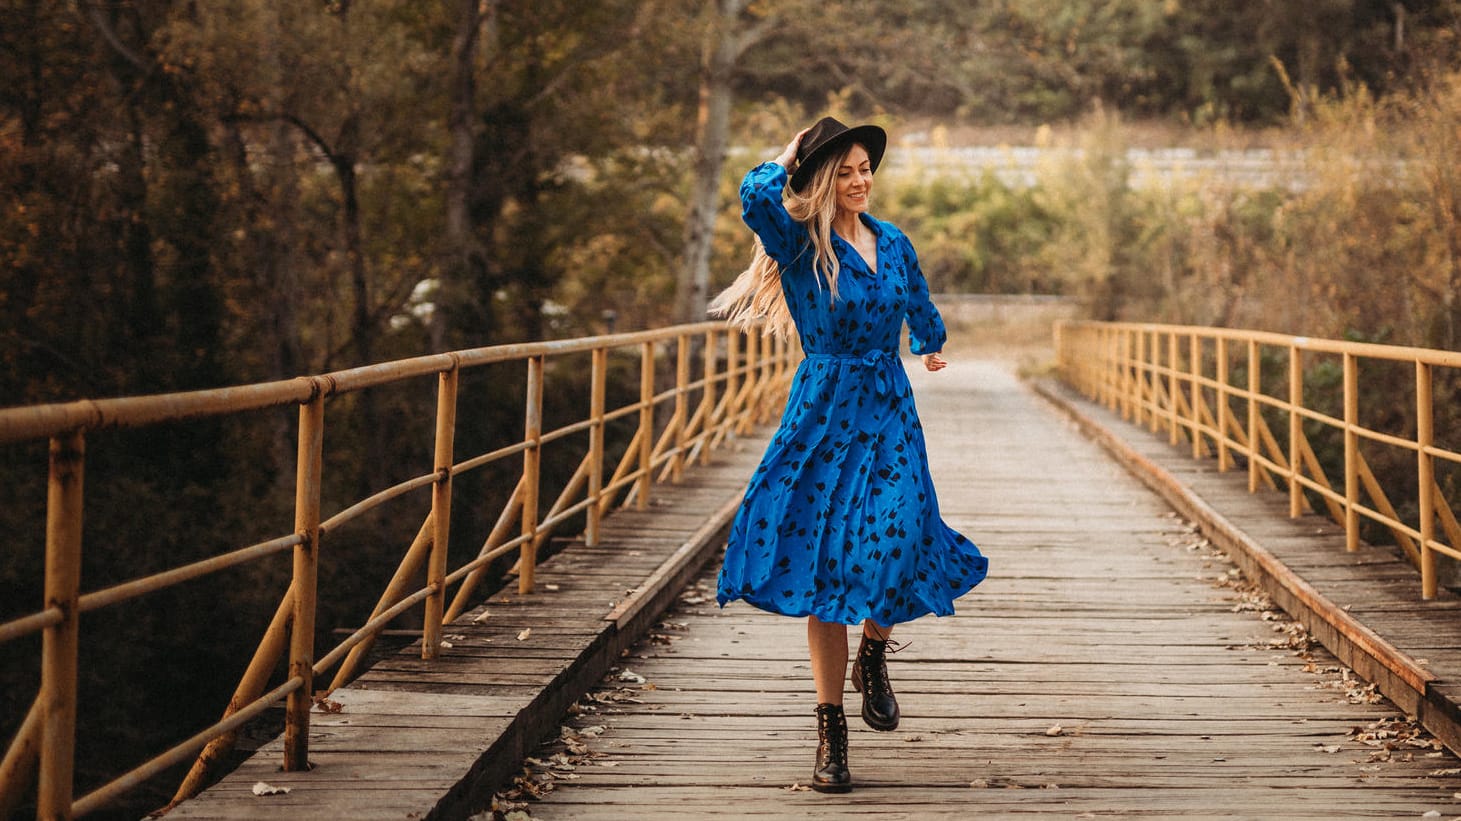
(1208, 386)
(741, 379)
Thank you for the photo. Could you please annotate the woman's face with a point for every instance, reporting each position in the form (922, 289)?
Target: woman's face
(854, 181)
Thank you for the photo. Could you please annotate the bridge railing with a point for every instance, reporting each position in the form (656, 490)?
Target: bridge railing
(1225, 392)
(733, 380)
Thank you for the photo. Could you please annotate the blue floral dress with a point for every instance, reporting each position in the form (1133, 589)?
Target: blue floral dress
(840, 519)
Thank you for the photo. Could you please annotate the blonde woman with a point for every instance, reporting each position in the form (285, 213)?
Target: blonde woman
(840, 523)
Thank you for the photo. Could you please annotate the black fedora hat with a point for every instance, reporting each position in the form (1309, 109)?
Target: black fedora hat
(829, 137)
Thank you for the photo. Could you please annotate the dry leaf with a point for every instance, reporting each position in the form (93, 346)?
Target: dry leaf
(328, 705)
(523, 636)
(480, 617)
(260, 788)
(630, 675)
(551, 588)
(797, 788)
(1055, 731)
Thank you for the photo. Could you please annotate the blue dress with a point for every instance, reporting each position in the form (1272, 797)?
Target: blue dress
(840, 519)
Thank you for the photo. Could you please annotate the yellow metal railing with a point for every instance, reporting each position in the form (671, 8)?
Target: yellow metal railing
(740, 381)
(1207, 386)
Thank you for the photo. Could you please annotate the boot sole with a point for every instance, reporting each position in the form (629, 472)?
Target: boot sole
(831, 788)
(882, 728)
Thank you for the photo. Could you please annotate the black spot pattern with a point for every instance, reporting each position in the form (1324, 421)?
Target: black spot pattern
(840, 520)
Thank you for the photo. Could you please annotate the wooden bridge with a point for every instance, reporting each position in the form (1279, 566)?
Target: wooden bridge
(1153, 639)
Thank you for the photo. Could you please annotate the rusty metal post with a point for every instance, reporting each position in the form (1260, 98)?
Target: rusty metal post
(1194, 363)
(1351, 453)
(1225, 459)
(532, 461)
(682, 407)
(1424, 438)
(1296, 431)
(306, 574)
(1172, 418)
(732, 379)
(709, 396)
(1143, 380)
(446, 424)
(60, 641)
(646, 426)
(1128, 374)
(1112, 357)
(1255, 384)
(597, 389)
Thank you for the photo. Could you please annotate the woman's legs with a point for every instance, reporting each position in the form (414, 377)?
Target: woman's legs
(827, 645)
(873, 630)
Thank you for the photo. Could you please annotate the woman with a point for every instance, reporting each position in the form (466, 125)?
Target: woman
(840, 523)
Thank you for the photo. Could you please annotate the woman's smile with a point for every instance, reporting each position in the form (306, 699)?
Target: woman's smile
(854, 181)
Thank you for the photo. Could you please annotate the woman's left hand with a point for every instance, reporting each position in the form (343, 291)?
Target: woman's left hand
(934, 362)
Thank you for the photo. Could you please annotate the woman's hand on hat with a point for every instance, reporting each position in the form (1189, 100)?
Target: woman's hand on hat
(788, 154)
(934, 362)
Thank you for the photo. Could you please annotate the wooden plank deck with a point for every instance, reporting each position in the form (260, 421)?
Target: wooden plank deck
(1114, 664)
(417, 739)
(1365, 606)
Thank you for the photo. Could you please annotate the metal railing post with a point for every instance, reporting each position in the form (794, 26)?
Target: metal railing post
(446, 424)
(1255, 384)
(306, 574)
(60, 641)
(732, 380)
(1172, 418)
(1351, 453)
(1194, 353)
(1225, 457)
(752, 385)
(646, 426)
(532, 463)
(1128, 374)
(682, 404)
(712, 345)
(597, 391)
(1149, 356)
(1424, 437)
(1296, 430)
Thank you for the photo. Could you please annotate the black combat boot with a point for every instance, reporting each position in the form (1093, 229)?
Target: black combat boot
(870, 678)
(831, 774)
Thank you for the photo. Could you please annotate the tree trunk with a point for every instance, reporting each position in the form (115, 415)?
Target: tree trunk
(466, 254)
(722, 48)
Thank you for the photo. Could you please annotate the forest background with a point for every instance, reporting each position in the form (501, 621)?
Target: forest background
(199, 194)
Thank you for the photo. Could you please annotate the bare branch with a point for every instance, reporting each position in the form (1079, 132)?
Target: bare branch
(94, 14)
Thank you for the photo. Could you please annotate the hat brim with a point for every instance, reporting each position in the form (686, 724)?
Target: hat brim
(871, 137)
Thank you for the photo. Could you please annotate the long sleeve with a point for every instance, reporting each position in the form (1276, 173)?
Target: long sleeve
(926, 333)
(761, 208)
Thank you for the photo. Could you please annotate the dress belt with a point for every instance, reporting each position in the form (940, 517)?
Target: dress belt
(872, 359)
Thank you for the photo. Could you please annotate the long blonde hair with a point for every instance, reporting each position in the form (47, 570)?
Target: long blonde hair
(756, 293)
